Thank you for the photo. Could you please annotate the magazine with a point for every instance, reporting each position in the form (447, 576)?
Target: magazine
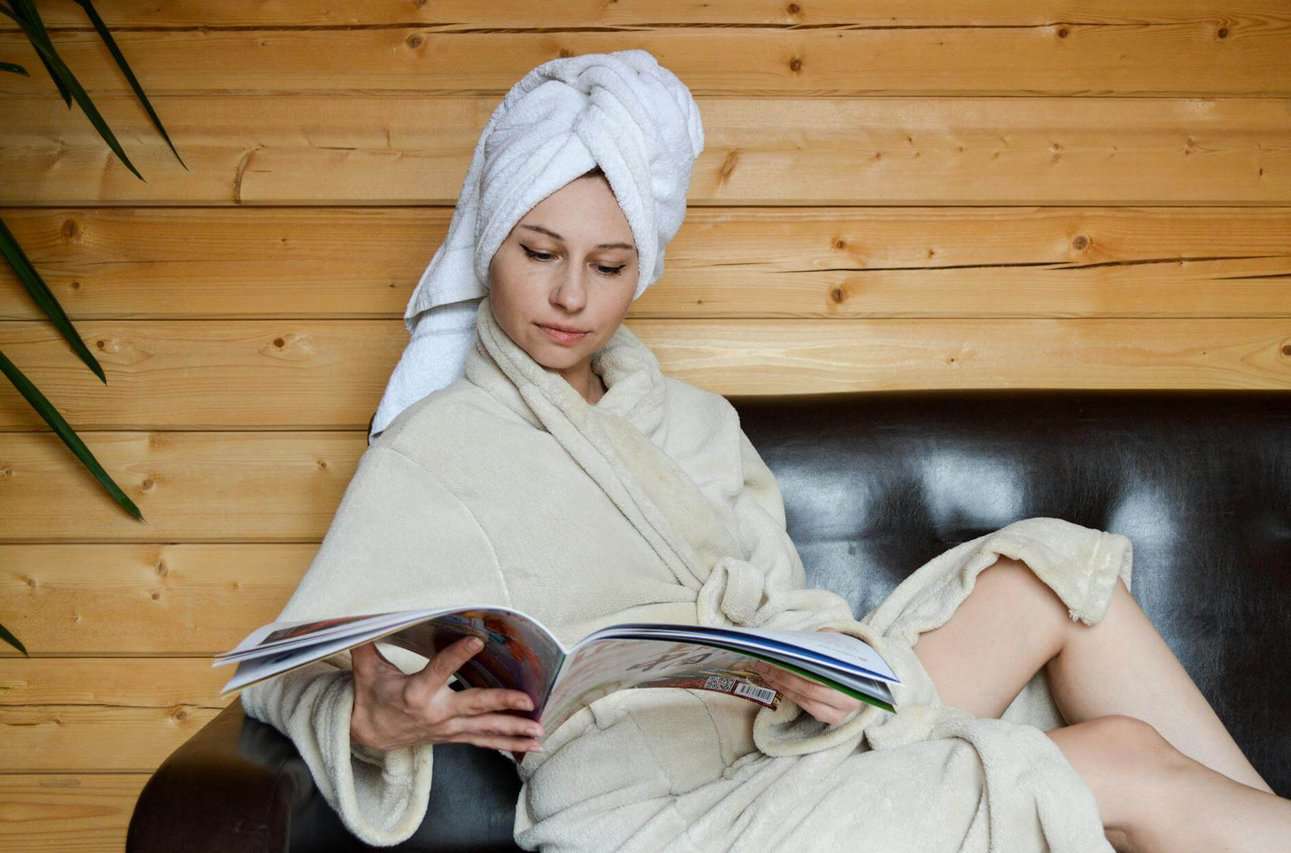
(520, 653)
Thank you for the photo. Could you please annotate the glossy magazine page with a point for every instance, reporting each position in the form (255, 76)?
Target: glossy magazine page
(516, 646)
(596, 669)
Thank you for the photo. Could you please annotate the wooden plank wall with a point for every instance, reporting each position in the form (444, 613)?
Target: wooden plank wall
(900, 194)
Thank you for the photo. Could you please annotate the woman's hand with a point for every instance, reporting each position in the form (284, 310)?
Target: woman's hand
(392, 709)
(824, 703)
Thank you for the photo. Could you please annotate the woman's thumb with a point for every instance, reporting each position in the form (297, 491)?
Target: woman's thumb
(367, 658)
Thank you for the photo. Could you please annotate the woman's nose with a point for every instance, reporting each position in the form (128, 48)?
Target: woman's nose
(571, 292)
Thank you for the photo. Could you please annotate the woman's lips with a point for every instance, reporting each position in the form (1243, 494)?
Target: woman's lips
(565, 338)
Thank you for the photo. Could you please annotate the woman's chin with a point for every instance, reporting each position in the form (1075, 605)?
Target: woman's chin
(554, 356)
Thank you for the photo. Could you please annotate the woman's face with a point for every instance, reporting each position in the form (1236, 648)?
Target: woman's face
(570, 263)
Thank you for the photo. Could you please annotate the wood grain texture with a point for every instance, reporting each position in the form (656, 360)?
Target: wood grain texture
(931, 49)
(151, 598)
(295, 374)
(60, 738)
(102, 713)
(271, 149)
(255, 486)
(67, 812)
(184, 682)
(827, 262)
(454, 15)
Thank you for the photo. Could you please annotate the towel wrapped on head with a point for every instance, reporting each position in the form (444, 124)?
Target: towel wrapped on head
(621, 111)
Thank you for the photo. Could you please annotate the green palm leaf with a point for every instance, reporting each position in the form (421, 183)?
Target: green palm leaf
(14, 68)
(43, 297)
(13, 11)
(125, 69)
(65, 432)
(29, 19)
(12, 640)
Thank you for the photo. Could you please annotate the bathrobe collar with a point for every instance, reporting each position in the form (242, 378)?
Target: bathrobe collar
(634, 381)
(619, 441)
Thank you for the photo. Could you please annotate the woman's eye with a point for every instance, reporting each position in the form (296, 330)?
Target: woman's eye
(546, 256)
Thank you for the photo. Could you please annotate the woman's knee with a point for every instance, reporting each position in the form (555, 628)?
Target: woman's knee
(1029, 600)
(1135, 744)
(1126, 762)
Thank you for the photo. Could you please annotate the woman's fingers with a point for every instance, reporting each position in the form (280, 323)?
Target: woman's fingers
(423, 685)
(494, 724)
(513, 744)
(477, 700)
(823, 703)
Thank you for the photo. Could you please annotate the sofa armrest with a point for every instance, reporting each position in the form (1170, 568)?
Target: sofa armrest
(238, 784)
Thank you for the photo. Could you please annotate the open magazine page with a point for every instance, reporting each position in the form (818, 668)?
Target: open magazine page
(832, 650)
(516, 646)
(518, 654)
(597, 669)
(278, 637)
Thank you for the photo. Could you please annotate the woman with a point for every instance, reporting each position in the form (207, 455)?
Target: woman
(565, 475)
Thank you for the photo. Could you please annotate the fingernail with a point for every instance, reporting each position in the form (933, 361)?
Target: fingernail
(475, 643)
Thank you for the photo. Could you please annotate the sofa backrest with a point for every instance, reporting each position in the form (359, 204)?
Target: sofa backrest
(877, 484)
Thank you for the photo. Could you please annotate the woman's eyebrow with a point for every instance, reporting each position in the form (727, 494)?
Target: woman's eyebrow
(551, 233)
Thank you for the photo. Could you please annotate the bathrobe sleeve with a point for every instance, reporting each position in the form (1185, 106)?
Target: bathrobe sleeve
(789, 604)
(399, 539)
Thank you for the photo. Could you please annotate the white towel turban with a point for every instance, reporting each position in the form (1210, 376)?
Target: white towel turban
(622, 111)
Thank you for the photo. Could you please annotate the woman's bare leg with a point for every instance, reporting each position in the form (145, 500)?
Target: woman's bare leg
(1012, 624)
(1151, 797)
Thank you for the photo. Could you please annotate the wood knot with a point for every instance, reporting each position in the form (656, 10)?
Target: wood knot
(279, 343)
(162, 571)
(1223, 32)
(76, 285)
(100, 344)
(1286, 349)
(1062, 32)
(729, 162)
(837, 294)
(795, 64)
(414, 40)
(71, 230)
(565, 53)
(147, 484)
(793, 9)
(322, 464)
(1080, 243)
(840, 243)
(156, 596)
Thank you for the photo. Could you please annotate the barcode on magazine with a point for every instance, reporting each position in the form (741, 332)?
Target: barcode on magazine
(761, 694)
(739, 688)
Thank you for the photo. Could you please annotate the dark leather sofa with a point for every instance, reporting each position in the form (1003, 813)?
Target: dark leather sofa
(876, 484)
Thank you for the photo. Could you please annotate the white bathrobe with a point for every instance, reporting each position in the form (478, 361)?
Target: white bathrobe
(652, 505)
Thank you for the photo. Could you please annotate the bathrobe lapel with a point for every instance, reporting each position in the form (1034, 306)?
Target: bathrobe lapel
(618, 441)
